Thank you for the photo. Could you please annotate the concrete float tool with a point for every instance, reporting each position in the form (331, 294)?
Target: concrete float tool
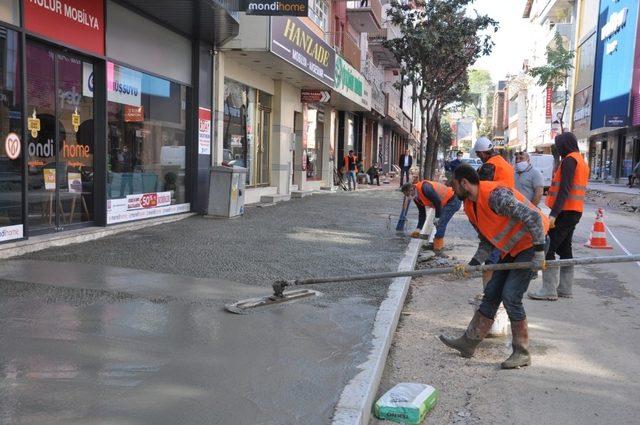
(281, 295)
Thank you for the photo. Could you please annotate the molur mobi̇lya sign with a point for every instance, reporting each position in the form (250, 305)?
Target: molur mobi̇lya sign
(275, 7)
(298, 45)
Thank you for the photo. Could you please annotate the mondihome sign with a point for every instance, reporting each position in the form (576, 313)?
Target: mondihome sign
(275, 7)
(294, 42)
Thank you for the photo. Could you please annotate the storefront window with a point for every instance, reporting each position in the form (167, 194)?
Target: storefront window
(247, 131)
(627, 160)
(11, 134)
(314, 137)
(146, 143)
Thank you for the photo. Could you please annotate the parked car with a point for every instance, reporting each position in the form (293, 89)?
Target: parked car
(543, 163)
(474, 162)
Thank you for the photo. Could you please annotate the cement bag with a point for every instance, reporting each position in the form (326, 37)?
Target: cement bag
(406, 403)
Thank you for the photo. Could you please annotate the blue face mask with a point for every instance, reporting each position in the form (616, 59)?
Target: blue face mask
(522, 166)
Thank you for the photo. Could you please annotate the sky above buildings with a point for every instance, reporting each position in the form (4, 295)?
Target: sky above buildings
(513, 41)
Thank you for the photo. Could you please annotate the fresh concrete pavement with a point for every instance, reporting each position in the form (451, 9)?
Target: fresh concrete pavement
(586, 360)
(129, 329)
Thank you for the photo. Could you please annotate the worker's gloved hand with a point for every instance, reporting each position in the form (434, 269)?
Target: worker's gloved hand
(415, 233)
(460, 271)
(435, 222)
(552, 222)
(539, 261)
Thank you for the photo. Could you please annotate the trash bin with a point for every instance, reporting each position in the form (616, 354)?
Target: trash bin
(226, 191)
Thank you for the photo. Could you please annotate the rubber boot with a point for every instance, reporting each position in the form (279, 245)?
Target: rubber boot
(438, 245)
(475, 333)
(520, 342)
(565, 288)
(549, 289)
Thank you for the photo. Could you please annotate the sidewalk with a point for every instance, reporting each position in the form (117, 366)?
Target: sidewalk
(585, 361)
(613, 188)
(130, 328)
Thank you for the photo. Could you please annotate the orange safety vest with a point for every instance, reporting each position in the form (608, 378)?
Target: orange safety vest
(346, 163)
(505, 233)
(504, 171)
(444, 193)
(575, 200)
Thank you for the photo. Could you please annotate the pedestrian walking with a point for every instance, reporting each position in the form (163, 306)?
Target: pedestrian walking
(453, 164)
(529, 180)
(351, 169)
(430, 194)
(505, 220)
(566, 200)
(405, 163)
(635, 175)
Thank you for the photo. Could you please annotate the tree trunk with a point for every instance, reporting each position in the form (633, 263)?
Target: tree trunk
(425, 128)
(423, 135)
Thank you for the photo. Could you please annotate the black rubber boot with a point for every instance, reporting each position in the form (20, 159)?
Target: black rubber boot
(520, 342)
(475, 333)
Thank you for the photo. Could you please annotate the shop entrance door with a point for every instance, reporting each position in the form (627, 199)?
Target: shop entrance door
(60, 138)
(262, 146)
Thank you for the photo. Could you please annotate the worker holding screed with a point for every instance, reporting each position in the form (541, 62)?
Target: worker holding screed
(505, 220)
(430, 194)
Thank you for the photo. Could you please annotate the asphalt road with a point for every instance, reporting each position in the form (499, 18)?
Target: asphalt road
(585, 350)
(130, 329)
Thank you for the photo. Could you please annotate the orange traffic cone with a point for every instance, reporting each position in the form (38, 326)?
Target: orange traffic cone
(598, 237)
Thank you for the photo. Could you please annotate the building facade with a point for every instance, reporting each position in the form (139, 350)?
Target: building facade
(99, 125)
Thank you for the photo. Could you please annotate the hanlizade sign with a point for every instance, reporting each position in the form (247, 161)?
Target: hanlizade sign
(301, 47)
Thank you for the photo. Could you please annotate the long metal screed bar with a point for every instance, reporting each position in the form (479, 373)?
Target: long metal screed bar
(280, 295)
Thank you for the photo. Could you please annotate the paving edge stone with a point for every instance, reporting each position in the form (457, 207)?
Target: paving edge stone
(356, 401)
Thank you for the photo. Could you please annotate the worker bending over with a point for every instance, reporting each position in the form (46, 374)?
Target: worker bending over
(506, 220)
(430, 194)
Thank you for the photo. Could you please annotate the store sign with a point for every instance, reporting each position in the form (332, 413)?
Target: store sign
(315, 96)
(133, 113)
(351, 84)
(615, 120)
(616, 45)
(549, 103)
(294, 42)
(124, 85)
(275, 7)
(204, 131)
(8, 233)
(12, 146)
(87, 79)
(148, 200)
(119, 216)
(75, 182)
(78, 23)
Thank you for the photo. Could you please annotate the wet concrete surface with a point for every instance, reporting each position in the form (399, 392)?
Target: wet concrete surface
(130, 329)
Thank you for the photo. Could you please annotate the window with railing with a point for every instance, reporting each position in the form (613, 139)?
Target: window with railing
(319, 13)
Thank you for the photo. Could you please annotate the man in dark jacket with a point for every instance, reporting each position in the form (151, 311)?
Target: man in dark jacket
(374, 173)
(405, 163)
(566, 200)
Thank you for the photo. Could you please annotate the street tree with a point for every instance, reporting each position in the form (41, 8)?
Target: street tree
(440, 40)
(481, 90)
(555, 73)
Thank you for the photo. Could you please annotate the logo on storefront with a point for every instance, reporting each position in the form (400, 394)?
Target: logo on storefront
(12, 146)
(351, 84)
(275, 7)
(149, 200)
(315, 96)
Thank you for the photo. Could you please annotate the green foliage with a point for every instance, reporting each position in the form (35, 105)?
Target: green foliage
(446, 135)
(440, 40)
(555, 72)
(559, 63)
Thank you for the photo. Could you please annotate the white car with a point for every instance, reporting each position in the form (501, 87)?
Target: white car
(543, 163)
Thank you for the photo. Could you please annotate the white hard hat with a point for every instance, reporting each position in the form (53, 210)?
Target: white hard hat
(482, 145)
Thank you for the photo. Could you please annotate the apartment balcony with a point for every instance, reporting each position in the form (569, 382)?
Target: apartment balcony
(555, 10)
(394, 111)
(365, 15)
(351, 50)
(381, 54)
(375, 77)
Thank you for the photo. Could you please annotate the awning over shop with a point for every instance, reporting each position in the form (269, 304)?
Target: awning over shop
(214, 21)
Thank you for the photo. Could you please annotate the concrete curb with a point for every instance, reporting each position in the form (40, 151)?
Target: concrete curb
(357, 398)
(38, 243)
